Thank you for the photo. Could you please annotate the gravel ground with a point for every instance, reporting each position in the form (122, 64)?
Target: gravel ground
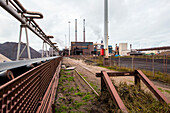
(89, 72)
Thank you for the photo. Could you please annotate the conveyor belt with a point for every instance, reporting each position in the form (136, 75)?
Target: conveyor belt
(15, 64)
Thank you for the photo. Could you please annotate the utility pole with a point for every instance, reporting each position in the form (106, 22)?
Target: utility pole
(106, 28)
(65, 41)
(69, 37)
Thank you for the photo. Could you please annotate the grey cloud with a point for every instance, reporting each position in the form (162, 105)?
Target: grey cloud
(143, 23)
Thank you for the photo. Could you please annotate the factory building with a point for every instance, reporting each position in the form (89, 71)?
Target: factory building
(82, 48)
(123, 50)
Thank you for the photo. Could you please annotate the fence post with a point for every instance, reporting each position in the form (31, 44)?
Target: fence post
(110, 61)
(103, 61)
(153, 69)
(132, 62)
(119, 62)
(166, 63)
(146, 62)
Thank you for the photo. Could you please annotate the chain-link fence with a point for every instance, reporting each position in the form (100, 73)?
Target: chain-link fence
(150, 63)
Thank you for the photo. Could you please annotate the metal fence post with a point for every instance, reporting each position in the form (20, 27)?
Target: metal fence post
(119, 62)
(153, 68)
(132, 62)
(166, 63)
(110, 61)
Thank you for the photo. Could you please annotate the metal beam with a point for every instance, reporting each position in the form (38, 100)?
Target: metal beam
(115, 96)
(151, 86)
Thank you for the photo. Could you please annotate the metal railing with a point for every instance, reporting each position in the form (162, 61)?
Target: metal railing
(32, 91)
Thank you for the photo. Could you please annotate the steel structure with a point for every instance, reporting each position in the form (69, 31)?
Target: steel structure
(84, 39)
(155, 48)
(15, 8)
(33, 91)
(75, 30)
(27, 44)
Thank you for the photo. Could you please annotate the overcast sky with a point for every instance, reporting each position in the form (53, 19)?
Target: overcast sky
(142, 23)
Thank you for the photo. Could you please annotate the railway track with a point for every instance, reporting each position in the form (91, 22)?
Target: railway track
(85, 81)
(107, 83)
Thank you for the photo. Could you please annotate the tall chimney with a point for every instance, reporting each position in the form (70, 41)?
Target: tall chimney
(106, 28)
(83, 30)
(75, 30)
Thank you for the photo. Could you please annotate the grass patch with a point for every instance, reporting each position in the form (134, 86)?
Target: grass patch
(87, 97)
(161, 89)
(70, 78)
(79, 94)
(71, 89)
(78, 104)
(167, 91)
(140, 101)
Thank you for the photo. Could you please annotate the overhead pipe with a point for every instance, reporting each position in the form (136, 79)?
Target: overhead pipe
(24, 20)
(39, 15)
(7, 74)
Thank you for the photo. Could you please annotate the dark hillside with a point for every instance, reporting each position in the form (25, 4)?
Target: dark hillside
(9, 49)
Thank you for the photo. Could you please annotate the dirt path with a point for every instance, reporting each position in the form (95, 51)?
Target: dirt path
(89, 72)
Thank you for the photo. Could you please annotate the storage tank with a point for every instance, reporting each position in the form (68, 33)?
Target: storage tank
(110, 49)
(102, 52)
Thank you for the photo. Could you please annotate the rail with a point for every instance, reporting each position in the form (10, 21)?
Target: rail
(32, 91)
(138, 75)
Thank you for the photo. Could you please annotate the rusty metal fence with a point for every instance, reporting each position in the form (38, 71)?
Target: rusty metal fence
(32, 91)
(106, 83)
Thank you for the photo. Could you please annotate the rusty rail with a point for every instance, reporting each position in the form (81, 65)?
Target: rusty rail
(26, 93)
(141, 76)
(105, 81)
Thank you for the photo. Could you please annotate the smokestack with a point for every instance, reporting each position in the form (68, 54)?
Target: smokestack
(75, 30)
(106, 28)
(83, 30)
(131, 47)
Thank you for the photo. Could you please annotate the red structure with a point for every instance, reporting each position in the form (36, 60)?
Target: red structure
(102, 52)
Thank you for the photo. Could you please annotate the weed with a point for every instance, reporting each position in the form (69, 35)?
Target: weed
(94, 86)
(67, 70)
(71, 89)
(86, 97)
(78, 104)
(70, 78)
(140, 101)
(161, 89)
(77, 88)
(167, 91)
(63, 89)
(79, 94)
(68, 73)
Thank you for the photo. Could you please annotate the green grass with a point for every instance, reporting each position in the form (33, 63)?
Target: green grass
(161, 89)
(164, 90)
(70, 78)
(79, 94)
(139, 101)
(87, 97)
(78, 104)
(167, 91)
(71, 89)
